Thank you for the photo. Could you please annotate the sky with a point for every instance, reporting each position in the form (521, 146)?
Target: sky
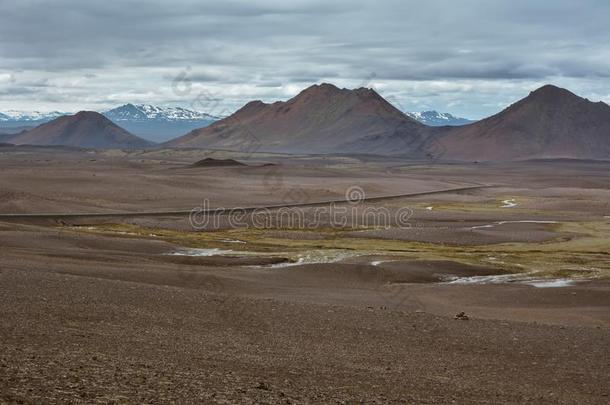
(470, 57)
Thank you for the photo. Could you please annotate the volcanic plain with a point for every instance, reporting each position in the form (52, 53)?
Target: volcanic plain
(141, 277)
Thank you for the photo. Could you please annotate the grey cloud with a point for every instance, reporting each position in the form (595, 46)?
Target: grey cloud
(16, 91)
(265, 49)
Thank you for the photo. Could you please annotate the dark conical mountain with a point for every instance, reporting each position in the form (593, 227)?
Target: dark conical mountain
(86, 129)
(320, 119)
(549, 123)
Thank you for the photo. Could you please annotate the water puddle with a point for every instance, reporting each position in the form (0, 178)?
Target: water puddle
(483, 226)
(319, 257)
(511, 278)
(509, 203)
(526, 221)
(556, 283)
(232, 241)
(336, 256)
(309, 257)
(494, 279)
(203, 252)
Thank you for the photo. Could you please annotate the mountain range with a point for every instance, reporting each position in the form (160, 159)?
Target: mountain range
(29, 117)
(549, 123)
(161, 124)
(12, 121)
(150, 122)
(158, 123)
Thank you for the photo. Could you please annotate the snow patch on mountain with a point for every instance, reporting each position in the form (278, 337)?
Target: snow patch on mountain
(146, 112)
(435, 118)
(30, 116)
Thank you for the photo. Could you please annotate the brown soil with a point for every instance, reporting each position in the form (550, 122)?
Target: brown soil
(107, 317)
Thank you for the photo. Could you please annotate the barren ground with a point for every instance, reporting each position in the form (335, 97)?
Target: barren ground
(99, 310)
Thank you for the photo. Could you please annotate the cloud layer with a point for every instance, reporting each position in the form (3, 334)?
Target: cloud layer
(470, 58)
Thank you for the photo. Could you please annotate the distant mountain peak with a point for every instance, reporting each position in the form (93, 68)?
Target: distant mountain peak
(91, 115)
(254, 103)
(552, 89)
(29, 116)
(145, 112)
(320, 90)
(552, 94)
(437, 119)
(324, 86)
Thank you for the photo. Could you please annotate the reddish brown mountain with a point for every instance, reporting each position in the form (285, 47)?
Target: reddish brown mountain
(320, 119)
(549, 123)
(85, 129)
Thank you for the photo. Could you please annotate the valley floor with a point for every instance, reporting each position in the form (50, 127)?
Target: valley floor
(144, 309)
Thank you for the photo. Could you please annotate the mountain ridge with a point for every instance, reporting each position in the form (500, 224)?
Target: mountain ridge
(549, 123)
(28, 117)
(151, 112)
(158, 124)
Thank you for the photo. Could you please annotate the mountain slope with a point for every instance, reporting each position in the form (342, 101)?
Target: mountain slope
(437, 119)
(158, 123)
(549, 123)
(320, 119)
(85, 129)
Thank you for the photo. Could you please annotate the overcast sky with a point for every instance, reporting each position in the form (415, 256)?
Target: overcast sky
(468, 57)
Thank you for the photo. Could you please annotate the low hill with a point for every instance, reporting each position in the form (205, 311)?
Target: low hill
(86, 129)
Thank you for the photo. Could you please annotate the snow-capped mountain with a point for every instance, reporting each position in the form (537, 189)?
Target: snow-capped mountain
(147, 121)
(32, 117)
(158, 123)
(437, 119)
(145, 112)
(13, 121)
